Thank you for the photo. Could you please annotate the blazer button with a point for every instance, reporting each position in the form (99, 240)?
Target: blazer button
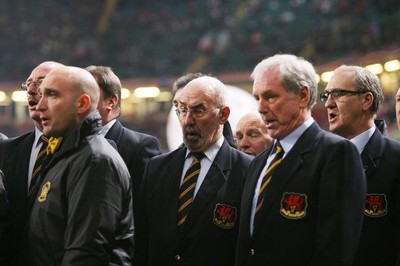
(252, 252)
(177, 257)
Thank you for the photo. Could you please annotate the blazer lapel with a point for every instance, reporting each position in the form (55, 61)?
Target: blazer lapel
(285, 171)
(20, 161)
(372, 152)
(215, 178)
(115, 133)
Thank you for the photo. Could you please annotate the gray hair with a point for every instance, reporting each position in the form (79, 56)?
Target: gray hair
(295, 72)
(365, 81)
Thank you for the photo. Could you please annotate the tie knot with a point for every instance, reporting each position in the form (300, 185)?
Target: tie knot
(278, 147)
(198, 155)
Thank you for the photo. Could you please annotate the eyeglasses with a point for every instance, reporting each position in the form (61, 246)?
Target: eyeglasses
(25, 85)
(196, 113)
(336, 94)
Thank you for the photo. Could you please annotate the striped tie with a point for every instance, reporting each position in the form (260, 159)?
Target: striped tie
(268, 174)
(188, 185)
(39, 161)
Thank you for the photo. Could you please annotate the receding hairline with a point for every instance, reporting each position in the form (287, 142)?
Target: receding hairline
(211, 84)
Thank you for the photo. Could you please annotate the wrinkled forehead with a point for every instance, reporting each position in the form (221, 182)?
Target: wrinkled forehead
(39, 72)
(341, 79)
(252, 122)
(194, 95)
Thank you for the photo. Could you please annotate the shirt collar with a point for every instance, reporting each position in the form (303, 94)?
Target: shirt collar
(362, 139)
(288, 142)
(38, 134)
(104, 130)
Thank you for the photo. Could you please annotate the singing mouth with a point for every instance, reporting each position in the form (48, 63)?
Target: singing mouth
(332, 117)
(32, 104)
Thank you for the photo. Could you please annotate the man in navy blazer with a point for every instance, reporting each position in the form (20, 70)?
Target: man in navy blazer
(208, 235)
(17, 159)
(310, 212)
(352, 97)
(134, 147)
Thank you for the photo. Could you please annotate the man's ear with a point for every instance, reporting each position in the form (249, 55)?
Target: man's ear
(304, 96)
(83, 104)
(368, 100)
(112, 102)
(224, 114)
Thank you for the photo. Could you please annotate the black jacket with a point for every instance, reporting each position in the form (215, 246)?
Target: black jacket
(82, 214)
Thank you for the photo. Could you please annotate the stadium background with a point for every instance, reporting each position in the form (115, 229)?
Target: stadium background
(150, 43)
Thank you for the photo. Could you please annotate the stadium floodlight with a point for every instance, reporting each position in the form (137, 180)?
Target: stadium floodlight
(392, 65)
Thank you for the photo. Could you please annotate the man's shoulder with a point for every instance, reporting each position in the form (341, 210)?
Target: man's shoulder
(136, 136)
(27, 138)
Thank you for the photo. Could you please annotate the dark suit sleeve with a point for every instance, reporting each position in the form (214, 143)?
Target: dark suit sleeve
(341, 204)
(148, 148)
(4, 222)
(141, 224)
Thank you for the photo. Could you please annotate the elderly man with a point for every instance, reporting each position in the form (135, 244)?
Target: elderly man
(303, 199)
(352, 98)
(18, 157)
(251, 134)
(190, 197)
(82, 212)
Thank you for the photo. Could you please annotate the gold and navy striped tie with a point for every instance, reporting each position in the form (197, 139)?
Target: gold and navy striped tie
(187, 188)
(268, 174)
(39, 161)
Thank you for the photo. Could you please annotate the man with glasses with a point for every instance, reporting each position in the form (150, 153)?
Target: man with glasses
(352, 98)
(190, 197)
(18, 156)
(176, 91)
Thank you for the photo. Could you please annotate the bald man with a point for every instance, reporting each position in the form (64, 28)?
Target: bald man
(82, 212)
(251, 134)
(202, 229)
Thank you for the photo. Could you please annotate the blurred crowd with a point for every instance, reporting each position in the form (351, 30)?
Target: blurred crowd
(168, 38)
(164, 38)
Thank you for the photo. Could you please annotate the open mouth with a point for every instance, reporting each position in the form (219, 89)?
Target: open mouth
(192, 134)
(32, 104)
(332, 116)
(44, 120)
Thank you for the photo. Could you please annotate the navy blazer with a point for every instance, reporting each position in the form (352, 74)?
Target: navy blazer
(208, 236)
(15, 155)
(313, 206)
(135, 149)
(380, 236)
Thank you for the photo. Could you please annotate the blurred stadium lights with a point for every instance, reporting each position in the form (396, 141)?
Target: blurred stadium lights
(392, 65)
(19, 96)
(125, 93)
(388, 73)
(147, 92)
(165, 96)
(3, 97)
(375, 68)
(318, 78)
(326, 76)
